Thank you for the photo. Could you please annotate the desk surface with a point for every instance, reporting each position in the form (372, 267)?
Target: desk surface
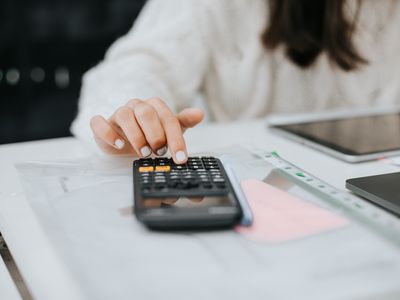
(32, 251)
(7, 286)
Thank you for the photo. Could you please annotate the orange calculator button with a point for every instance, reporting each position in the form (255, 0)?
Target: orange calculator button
(163, 168)
(146, 169)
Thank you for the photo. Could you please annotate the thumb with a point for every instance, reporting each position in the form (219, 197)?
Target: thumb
(190, 117)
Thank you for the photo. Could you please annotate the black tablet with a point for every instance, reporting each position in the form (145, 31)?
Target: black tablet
(352, 138)
(383, 190)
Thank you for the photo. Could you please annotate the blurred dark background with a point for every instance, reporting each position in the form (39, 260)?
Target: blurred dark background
(45, 47)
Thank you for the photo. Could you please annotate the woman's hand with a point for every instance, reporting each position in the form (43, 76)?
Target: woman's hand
(145, 127)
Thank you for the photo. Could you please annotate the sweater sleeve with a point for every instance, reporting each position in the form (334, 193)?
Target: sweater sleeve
(165, 54)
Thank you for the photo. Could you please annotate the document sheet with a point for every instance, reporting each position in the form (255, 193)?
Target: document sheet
(85, 208)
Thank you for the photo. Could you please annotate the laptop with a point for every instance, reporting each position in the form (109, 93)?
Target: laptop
(383, 190)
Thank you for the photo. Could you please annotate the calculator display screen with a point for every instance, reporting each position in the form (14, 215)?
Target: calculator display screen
(189, 202)
(353, 136)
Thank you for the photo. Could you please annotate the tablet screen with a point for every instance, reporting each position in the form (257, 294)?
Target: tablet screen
(353, 136)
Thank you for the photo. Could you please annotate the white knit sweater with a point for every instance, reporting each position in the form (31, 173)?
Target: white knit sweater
(179, 49)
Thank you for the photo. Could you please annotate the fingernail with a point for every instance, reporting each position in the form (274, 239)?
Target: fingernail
(162, 151)
(119, 144)
(145, 151)
(180, 156)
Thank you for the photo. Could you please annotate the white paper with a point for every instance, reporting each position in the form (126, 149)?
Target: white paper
(85, 209)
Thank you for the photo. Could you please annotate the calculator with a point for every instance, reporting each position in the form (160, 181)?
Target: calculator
(197, 194)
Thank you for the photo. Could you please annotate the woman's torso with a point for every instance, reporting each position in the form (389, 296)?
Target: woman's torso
(243, 80)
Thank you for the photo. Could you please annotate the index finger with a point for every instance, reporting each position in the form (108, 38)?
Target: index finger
(173, 130)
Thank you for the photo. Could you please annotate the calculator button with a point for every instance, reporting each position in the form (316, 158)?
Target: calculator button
(146, 169)
(160, 186)
(218, 180)
(161, 159)
(187, 172)
(161, 168)
(179, 167)
(145, 161)
(173, 183)
(146, 191)
(194, 158)
(194, 167)
(181, 185)
(158, 173)
(192, 184)
(159, 181)
(210, 167)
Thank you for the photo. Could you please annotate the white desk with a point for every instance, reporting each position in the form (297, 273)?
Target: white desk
(7, 286)
(43, 272)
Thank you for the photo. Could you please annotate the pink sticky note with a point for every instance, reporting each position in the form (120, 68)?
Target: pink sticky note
(280, 216)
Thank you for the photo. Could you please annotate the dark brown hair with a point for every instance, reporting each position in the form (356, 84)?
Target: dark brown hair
(306, 28)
